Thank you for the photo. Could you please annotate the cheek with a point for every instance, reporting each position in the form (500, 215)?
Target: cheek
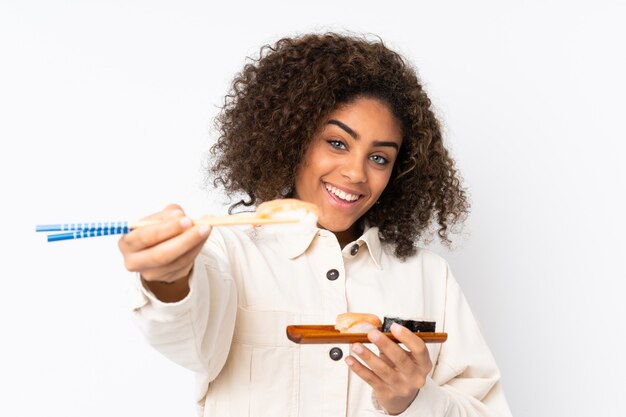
(317, 165)
(308, 174)
(379, 182)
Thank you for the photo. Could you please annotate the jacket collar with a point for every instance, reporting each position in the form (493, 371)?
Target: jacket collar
(296, 244)
(372, 242)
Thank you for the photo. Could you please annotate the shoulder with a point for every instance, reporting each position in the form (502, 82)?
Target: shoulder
(423, 261)
(431, 259)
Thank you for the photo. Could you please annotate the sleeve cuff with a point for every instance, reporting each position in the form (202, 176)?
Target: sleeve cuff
(431, 401)
(141, 298)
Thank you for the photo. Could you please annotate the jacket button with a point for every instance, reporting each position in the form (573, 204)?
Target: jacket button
(332, 275)
(354, 249)
(335, 353)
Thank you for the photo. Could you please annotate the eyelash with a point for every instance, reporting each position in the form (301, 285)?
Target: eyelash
(384, 161)
(337, 144)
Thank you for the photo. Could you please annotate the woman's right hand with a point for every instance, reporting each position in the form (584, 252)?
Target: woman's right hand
(164, 253)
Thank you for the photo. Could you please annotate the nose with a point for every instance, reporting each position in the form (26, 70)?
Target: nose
(354, 170)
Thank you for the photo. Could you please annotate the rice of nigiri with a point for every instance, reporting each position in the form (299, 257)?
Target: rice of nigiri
(290, 209)
(357, 322)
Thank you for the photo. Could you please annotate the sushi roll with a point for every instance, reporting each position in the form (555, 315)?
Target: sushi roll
(412, 325)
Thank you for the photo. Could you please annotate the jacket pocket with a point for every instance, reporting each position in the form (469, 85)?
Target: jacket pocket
(274, 370)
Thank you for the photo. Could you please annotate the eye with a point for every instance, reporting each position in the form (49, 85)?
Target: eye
(337, 144)
(380, 160)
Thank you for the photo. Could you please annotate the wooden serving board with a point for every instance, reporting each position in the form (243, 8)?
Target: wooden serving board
(320, 334)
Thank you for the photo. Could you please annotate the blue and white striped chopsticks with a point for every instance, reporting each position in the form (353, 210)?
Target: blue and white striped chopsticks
(269, 212)
(83, 230)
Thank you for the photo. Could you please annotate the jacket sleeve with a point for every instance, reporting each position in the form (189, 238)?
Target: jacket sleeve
(197, 331)
(465, 380)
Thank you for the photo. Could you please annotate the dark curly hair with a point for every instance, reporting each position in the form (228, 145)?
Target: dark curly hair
(279, 100)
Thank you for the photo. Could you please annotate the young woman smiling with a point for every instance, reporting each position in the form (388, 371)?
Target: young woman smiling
(344, 123)
(348, 164)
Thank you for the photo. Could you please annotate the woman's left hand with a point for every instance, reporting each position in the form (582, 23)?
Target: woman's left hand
(397, 375)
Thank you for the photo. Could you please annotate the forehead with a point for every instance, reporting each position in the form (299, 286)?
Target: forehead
(368, 116)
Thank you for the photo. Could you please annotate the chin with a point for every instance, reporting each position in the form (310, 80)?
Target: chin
(336, 227)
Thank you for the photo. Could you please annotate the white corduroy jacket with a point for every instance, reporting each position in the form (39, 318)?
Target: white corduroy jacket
(249, 284)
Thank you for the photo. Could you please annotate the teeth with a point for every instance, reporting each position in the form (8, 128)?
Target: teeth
(341, 194)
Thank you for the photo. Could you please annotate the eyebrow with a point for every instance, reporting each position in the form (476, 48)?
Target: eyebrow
(344, 127)
(356, 135)
(386, 143)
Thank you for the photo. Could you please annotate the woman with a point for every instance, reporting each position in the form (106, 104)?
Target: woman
(344, 123)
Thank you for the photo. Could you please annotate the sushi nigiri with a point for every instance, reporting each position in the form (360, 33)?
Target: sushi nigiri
(304, 213)
(357, 322)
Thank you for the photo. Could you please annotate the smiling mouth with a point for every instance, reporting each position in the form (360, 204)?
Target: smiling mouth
(342, 195)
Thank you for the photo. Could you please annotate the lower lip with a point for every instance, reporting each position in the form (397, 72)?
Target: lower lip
(336, 201)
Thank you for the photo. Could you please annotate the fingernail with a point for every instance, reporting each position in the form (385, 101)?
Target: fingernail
(374, 335)
(349, 361)
(203, 230)
(185, 222)
(395, 328)
(357, 349)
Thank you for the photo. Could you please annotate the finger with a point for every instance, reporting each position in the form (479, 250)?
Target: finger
(131, 243)
(167, 252)
(391, 351)
(365, 374)
(414, 343)
(386, 359)
(148, 236)
(381, 367)
(178, 269)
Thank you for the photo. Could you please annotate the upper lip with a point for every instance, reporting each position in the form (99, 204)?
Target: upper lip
(345, 190)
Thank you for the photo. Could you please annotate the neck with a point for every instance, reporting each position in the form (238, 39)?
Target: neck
(349, 235)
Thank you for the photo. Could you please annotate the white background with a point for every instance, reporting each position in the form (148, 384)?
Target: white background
(106, 111)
